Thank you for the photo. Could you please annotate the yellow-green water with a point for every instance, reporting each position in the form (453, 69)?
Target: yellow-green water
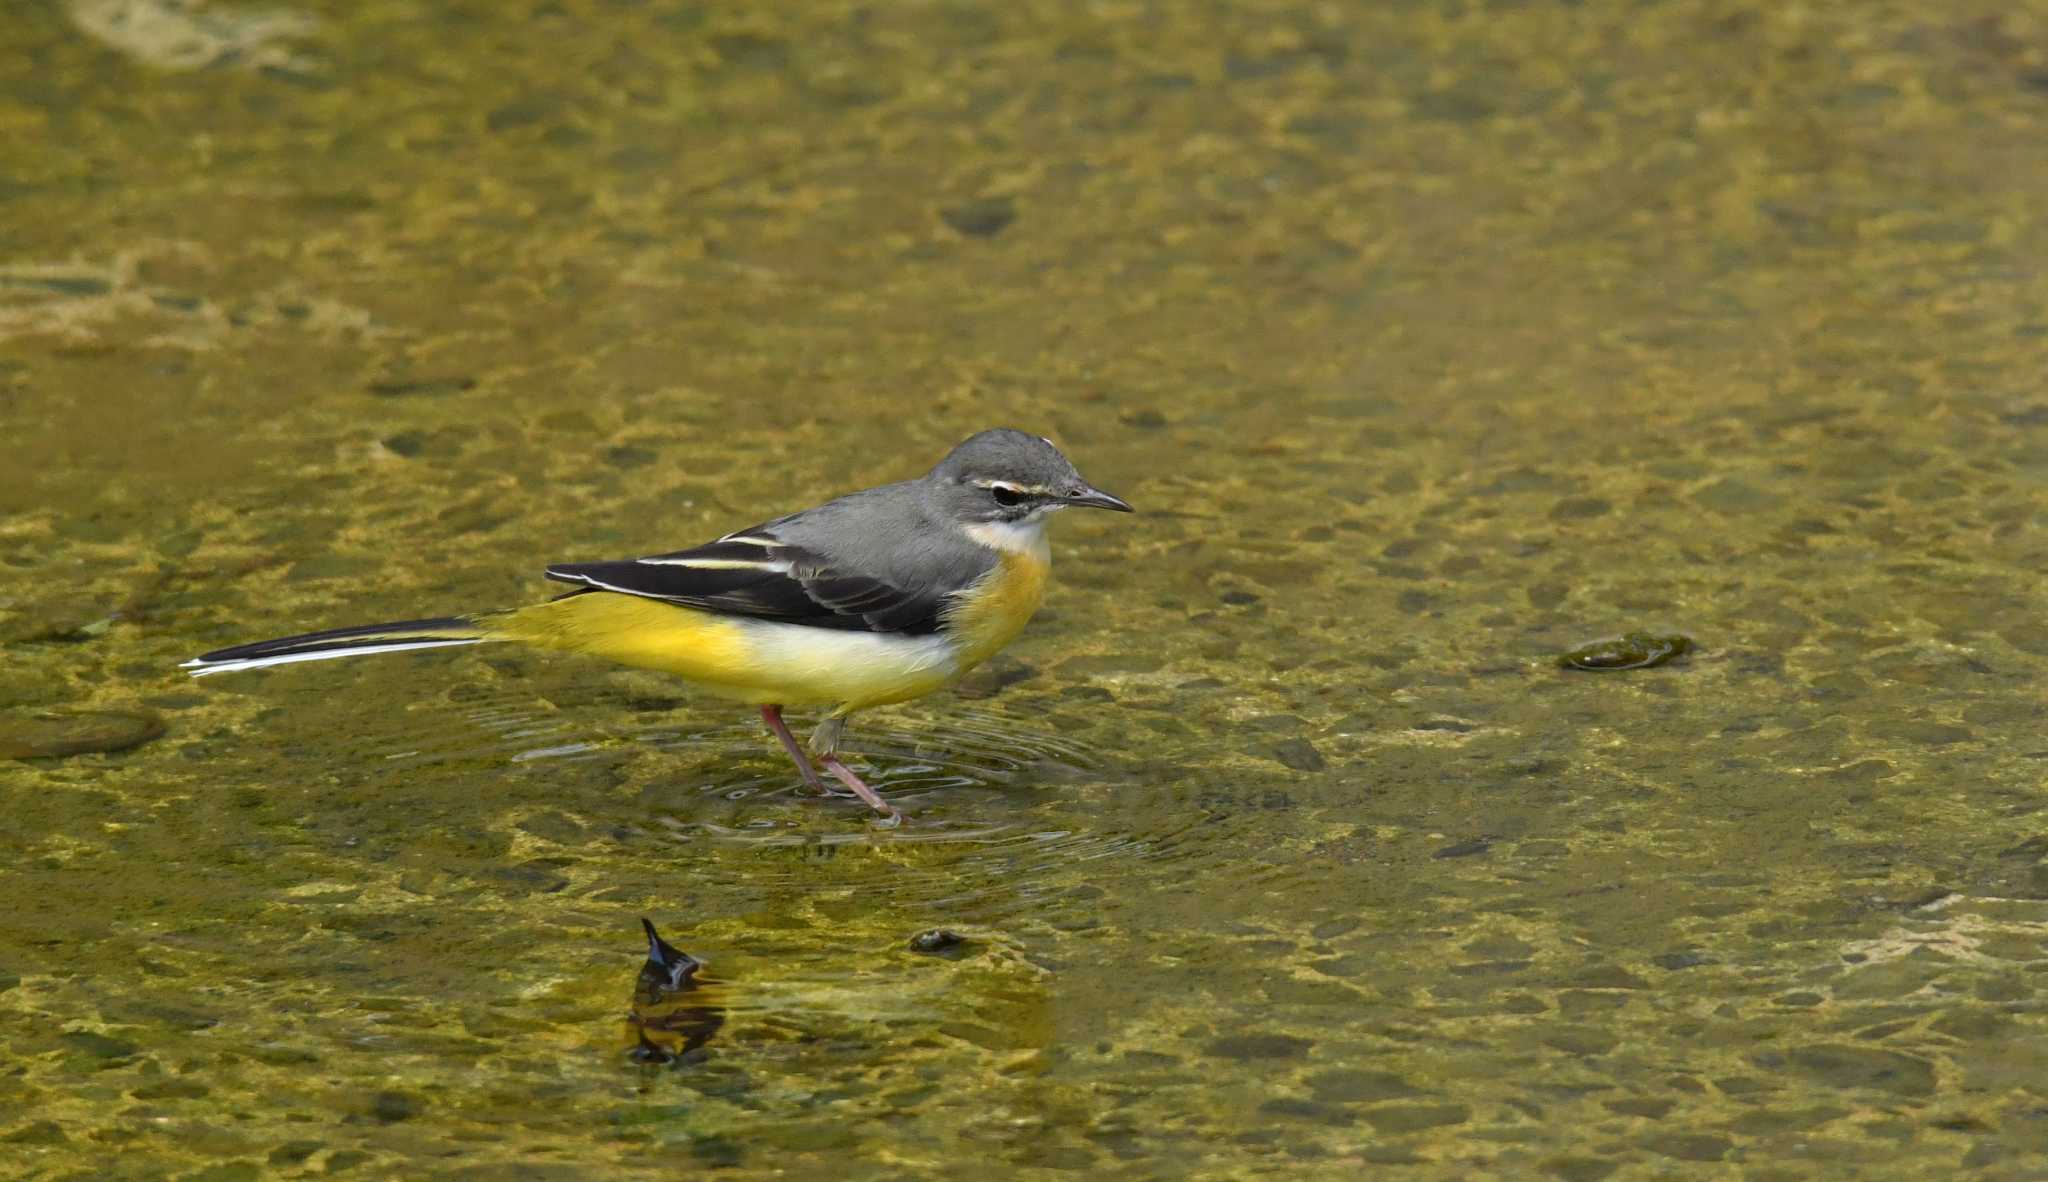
(1432, 339)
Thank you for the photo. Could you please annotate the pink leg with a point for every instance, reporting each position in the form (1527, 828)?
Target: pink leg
(846, 777)
(772, 715)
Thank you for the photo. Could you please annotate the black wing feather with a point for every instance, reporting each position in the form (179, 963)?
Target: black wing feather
(769, 582)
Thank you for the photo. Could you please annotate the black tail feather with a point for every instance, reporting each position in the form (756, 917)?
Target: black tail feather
(397, 636)
(339, 639)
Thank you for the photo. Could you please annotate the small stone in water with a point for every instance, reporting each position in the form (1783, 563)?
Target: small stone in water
(392, 1107)
(1258, 1046)
(1465, 849)
(54, 733)
(1298, 754)
(936, 940)
(984, 217)
(1637, 650)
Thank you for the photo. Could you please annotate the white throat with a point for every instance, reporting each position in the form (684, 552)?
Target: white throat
(1013, 537)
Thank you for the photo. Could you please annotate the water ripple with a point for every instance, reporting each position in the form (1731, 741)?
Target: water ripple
(1003, 812)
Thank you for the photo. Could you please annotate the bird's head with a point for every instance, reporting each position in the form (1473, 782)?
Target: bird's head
(1012, 478)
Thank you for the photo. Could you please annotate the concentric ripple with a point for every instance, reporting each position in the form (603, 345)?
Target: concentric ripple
(1004, 813)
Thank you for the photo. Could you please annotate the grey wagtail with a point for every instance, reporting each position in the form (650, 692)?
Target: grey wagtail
(880, 596)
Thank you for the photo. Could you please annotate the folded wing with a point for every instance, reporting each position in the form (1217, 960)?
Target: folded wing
(757, 575)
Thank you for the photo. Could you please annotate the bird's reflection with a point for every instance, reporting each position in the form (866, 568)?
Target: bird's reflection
(673, 1011)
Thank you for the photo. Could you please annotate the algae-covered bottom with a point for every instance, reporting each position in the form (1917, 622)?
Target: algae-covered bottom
(1436, 342)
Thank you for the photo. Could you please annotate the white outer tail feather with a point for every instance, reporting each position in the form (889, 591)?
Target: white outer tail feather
(200, 668)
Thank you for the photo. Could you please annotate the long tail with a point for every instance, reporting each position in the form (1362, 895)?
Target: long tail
(342, 642)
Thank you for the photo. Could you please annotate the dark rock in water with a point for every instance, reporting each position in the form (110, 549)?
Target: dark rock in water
(627, 456)
(1275, 724)
(97, 1046)
(423, 387)
(56, 733)
(1465, 849)
(1258, 1046)
(1411, 1118)
(1348, 1085)
(937, 940)
(984, 217)
(392, 1107)
(1299, 754)
(1637, 650)
(1354, 965)
(1844, 1066)
(291, 1153)
(1577, 508)
(1304, 1109)
(406, 443)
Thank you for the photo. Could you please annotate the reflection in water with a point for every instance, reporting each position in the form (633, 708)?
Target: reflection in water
(673, 1013)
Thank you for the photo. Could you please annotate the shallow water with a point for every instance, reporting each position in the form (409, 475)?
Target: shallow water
(1432, 340)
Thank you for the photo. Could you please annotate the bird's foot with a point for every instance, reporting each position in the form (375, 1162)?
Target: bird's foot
(889, 817)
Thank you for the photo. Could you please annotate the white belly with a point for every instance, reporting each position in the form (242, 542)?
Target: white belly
(792, 664)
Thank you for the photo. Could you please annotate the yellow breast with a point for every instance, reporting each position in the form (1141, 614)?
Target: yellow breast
(994, 610)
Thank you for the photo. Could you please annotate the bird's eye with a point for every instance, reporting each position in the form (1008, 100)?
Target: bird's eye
(1005, 495)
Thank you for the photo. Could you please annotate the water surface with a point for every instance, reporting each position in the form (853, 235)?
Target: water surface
(1434, 340)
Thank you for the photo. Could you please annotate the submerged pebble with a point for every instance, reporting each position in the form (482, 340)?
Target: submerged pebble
(52, 734)
(984, 217)
(1637, 650)
(1258, 1045)
(936, 940)
(391, 1107)
(1298, 754)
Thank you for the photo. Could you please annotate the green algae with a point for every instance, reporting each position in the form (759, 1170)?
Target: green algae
(1432, 337)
